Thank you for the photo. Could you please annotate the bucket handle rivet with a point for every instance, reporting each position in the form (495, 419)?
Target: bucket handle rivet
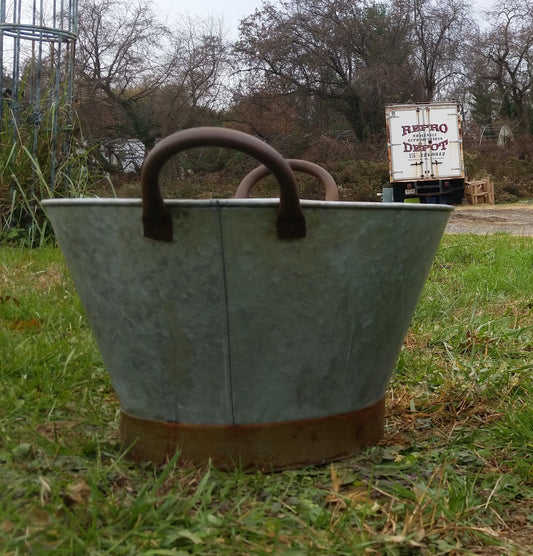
(157, 222)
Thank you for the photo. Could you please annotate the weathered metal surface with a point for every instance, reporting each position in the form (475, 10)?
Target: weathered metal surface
(266, 447)
(227, 324)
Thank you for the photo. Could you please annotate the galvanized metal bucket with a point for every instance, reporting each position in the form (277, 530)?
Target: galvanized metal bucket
(257, 333)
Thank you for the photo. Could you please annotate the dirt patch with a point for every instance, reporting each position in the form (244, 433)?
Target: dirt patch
(515, 219)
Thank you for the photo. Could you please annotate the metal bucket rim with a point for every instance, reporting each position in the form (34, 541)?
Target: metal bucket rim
(263, 202)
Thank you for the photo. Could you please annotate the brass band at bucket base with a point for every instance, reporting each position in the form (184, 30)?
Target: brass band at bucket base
(259, 446)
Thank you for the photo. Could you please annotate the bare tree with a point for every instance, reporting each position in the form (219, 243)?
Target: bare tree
(438, 29)
(201, 60)
(352, 55)
(504, 61)
(138, 78)
(122, 58)
(196, 84)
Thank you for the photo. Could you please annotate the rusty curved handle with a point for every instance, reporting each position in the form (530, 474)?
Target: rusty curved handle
(157, 221)
(324, 177)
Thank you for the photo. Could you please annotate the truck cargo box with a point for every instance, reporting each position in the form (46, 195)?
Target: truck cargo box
(425, 148)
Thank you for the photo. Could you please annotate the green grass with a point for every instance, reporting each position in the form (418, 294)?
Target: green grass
(453, 475)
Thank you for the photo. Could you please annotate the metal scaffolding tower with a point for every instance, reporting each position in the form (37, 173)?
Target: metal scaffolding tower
(37, 45)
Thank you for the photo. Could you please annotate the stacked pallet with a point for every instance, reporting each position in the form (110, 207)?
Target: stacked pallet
(479, 192)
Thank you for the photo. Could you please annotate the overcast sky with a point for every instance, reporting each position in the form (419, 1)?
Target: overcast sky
(230, 11)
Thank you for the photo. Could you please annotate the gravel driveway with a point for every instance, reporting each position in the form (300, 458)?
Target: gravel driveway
(516, 219)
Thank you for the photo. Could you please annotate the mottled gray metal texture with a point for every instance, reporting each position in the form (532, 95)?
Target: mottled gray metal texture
(228, 324)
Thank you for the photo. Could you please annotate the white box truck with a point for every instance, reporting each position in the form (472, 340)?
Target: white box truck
(425, 147)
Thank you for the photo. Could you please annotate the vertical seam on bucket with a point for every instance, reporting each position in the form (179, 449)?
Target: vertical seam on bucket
(229, 382)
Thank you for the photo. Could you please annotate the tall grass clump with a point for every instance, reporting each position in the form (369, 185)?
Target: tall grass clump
(38, 159)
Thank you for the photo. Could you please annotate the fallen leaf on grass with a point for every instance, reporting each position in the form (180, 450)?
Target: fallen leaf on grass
(7, 526)
(24, 324)
(41, 532)
(38, 519)
(4, 298)
(77, 494)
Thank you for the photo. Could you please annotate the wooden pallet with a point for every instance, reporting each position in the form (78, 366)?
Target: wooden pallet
(479, 192)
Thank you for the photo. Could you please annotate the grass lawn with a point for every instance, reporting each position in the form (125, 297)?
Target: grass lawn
(453, 475)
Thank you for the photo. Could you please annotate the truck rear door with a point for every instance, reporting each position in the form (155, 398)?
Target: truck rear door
(425, 142)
